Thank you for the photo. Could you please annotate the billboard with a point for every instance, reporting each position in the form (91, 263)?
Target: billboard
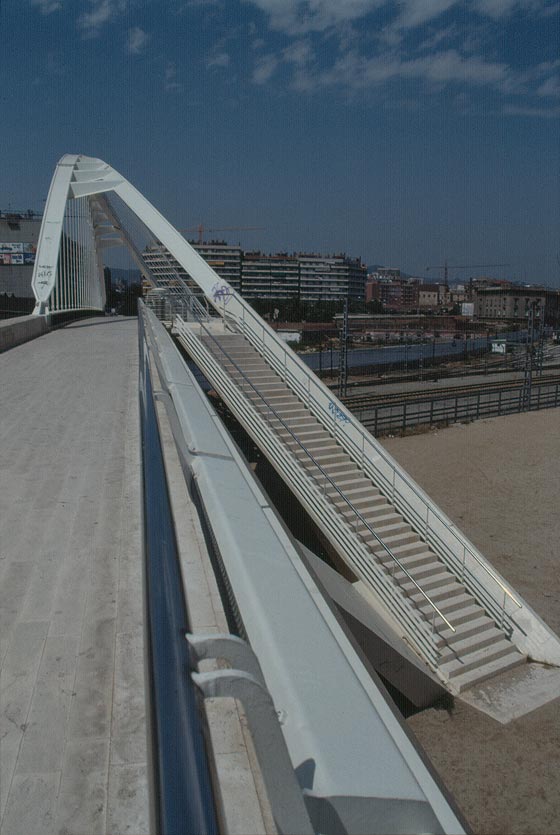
(9, 248)
(16, 254)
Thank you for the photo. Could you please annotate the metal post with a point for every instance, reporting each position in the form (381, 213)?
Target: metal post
(343, 354)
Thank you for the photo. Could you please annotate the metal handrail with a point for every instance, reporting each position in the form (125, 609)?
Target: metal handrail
(329, 479)
(379, 451)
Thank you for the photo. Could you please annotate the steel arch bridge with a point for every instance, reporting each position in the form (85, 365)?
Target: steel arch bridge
(80, 222)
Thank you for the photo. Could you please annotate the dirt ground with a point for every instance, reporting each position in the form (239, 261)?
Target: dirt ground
(499, 480)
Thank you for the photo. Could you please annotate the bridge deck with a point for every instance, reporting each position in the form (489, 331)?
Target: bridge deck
(72, 717)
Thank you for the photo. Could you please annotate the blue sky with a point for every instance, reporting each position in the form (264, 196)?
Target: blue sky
(405, 133)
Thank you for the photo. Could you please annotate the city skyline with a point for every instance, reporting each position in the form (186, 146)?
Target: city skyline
(404, 134)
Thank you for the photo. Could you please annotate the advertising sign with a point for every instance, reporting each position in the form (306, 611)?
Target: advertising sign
(15, 254)
(9, 248)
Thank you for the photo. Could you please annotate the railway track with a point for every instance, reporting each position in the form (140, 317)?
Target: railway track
(365, 401)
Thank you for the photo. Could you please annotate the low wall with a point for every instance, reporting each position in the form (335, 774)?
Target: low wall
(21, 329)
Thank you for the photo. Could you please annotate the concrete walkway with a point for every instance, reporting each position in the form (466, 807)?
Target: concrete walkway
(72, 713)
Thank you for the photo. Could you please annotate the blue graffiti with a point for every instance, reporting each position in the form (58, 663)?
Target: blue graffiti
(337, 413)
(221, 292)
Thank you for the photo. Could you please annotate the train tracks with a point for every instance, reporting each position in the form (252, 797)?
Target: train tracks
(357, 402)
(399, 411)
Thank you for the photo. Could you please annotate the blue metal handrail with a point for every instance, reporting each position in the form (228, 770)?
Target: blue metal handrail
(183, 799)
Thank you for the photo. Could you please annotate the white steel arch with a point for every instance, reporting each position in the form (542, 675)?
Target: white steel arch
(77, 177)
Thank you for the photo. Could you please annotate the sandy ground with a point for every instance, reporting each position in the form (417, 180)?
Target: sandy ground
(499, 480)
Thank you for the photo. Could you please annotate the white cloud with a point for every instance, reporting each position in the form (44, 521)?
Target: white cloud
(433, 40)
(300, 16)
(220, 59)
(47, 6)
(499, 9)
(417, 12)
(531, 112)
(299, 53)
(136, 40)
(297, 17)
(550, 87)
(265, 69)
(92, 22)
(172, 84)
(355, 71)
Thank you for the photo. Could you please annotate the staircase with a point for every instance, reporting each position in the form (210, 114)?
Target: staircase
(469, 646)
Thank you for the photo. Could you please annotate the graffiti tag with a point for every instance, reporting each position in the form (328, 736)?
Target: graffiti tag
(221, 293)
(337, 413)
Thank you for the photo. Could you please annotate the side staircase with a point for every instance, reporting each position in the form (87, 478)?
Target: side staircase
(469, 646)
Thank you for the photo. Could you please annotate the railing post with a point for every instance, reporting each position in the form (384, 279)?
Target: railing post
(427, 520)
(464, 561)
(393, 490)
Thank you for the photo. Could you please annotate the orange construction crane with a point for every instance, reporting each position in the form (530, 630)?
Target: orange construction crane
(445, 267)
(200, 229)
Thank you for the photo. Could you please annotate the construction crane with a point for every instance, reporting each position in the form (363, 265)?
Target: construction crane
(445, 267)
(200, 229)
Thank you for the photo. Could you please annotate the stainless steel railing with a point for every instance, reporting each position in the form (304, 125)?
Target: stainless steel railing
(257, 336)
(327, 478)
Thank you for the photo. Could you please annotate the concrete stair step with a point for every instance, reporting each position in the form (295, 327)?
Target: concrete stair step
(458, 666)
(492, 668)
(292, 410)
(308, 427)
(415, 560)
(399, 534)
(350, 474)
(326, 457)
(274, 386)
(405, 549)
(335, 468)
(462, 647)
(477, 626)
(322, 443)
(440, 595)
(466, 613)
(369, 497)
(455, 604)
(388, 523)
(432, 578)
(257, 378)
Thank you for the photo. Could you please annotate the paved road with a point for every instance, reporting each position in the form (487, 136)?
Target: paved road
(72, 714)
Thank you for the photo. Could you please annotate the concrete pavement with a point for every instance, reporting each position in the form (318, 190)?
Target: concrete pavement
(72, 712)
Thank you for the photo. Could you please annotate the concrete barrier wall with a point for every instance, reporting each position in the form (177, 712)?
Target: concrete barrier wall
(21, 329)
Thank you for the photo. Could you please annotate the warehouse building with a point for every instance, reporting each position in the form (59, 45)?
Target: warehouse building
(19, 234)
